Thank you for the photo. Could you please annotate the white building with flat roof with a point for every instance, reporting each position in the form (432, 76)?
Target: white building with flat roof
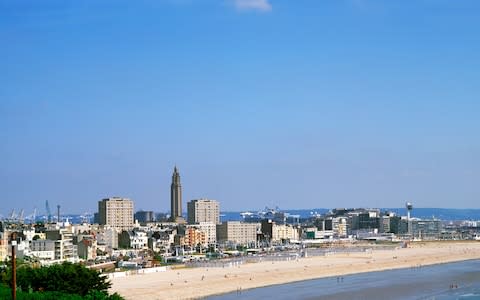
(43, 249)
(237, 232)
(116, 212)
(203, 210)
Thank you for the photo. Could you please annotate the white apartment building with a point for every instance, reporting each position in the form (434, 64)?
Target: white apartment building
(237, 232)
(210, 230)
(203, 210)
(116, 212)
(133, 240)
(64, 247)
(43, 249)
(108, 236)
(3, 246)
(282, 232)
(340, 226)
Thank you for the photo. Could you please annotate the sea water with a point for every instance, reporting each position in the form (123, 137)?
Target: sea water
(460, 280)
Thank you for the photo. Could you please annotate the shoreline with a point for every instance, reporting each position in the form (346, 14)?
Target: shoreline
(337, 276)
(195, 283)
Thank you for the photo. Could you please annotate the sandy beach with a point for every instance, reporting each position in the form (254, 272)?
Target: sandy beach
(191, 283)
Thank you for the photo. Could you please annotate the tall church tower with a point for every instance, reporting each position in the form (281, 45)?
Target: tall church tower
(176, 198)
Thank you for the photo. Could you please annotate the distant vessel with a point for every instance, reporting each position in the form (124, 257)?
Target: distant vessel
(273, 214)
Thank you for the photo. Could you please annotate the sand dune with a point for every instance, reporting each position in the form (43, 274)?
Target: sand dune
(189, 283)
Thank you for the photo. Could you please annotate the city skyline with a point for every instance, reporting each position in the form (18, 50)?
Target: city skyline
(295, 104)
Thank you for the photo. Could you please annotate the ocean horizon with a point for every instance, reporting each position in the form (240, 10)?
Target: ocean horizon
(444, 214)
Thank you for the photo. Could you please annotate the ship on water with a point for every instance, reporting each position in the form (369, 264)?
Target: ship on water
(274, 214)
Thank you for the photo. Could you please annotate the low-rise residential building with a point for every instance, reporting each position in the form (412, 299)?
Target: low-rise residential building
(194, 236)
(340, 226)
(43, 249)
(87, 247)
(284, 232)
(162, 239)
(132, 239)
(64, 247)
(237, 232)
(3, 246)
(210, 230)
(279, 233)
(108, 237)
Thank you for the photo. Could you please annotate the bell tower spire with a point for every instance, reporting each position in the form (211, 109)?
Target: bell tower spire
(176, 197)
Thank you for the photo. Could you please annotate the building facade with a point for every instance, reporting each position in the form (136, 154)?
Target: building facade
(176, 197)
(279, 233)
(108, 237)
(145, 216)
(211, 231)
(195, 237)
(3, 246)
(203, 210)
(237, 232)
(43, 249)
(116, 212)
(426, 229)
(63, 241)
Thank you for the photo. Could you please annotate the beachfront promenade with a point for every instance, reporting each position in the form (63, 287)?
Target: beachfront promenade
(188, 283)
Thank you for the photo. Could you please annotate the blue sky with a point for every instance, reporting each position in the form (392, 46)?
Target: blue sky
(296, 104)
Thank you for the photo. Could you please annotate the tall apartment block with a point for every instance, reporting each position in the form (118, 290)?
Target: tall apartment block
(116, 212)
(203, 210)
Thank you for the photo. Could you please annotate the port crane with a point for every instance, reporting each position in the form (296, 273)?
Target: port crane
(49, 213)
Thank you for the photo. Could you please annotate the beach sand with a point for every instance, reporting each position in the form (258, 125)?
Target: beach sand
(190, 283)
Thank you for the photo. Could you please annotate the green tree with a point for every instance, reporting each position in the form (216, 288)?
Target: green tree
(65, 278)
(6, 294)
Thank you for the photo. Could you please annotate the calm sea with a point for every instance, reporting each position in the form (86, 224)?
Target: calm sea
(445, 214)
(444, 282)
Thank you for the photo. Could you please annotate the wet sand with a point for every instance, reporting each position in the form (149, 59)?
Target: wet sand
(449, 281)
(190, 283)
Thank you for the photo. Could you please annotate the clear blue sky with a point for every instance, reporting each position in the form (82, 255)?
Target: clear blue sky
(299, 104)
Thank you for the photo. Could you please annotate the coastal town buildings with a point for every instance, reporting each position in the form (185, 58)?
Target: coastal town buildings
(147, 238)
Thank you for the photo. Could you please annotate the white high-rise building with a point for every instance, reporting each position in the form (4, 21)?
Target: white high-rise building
(203, 210)
(116, 212)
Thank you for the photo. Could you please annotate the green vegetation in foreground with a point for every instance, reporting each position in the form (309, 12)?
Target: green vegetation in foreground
(61, 281)
(6, 293)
